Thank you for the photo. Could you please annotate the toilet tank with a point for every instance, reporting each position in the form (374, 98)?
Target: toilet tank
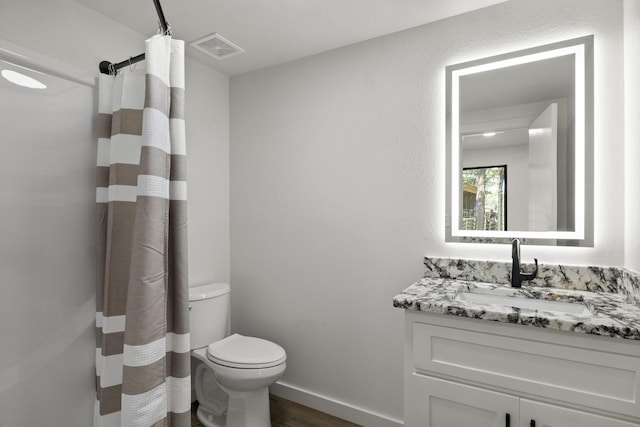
(208, 313)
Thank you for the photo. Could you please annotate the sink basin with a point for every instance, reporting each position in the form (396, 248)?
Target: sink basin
(524, 302)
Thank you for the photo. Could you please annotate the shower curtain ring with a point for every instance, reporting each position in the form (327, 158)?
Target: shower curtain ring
(166, 32)
(112, 70)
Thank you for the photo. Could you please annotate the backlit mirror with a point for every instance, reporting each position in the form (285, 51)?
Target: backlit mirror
(520, 146)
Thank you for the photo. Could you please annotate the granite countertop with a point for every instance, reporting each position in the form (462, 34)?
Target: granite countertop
(615, 312)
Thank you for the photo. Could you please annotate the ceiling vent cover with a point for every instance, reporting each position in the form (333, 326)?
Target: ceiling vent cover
(217, 46)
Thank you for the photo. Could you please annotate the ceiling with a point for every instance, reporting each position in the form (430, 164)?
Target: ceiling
(537, 81)
(277, 31)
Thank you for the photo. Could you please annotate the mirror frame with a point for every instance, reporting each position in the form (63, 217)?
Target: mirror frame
(582, 51)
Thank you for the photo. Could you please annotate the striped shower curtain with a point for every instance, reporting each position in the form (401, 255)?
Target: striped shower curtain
(142, 319)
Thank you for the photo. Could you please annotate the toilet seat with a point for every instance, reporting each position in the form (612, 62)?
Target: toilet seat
(238, 351)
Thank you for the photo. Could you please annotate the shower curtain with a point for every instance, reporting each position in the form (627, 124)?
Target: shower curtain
(142, 319)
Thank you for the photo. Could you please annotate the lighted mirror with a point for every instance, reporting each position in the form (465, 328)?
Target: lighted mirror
(524, 118)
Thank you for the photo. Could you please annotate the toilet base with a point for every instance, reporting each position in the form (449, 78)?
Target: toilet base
(207, 419)
(248, 408)
(245, 409)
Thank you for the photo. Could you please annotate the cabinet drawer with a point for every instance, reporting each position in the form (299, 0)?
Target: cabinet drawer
(583, 376)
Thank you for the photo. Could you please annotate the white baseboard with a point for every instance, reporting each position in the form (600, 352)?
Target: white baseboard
(344, 410)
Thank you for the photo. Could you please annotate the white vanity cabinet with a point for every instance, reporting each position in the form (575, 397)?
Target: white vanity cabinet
(463, 372)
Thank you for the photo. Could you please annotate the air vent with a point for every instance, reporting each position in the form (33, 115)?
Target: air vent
(217, 46)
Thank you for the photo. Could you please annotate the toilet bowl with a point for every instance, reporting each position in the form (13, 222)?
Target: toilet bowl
(232, 372)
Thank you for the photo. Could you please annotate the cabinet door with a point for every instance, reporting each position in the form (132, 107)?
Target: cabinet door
(439, 403)
(546, 415)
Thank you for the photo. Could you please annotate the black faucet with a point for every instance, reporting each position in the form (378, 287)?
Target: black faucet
(518, 276)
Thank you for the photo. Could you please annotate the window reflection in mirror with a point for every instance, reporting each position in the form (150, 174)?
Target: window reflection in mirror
(484, 200)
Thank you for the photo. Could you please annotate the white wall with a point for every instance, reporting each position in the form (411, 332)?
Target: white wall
(632, 133)
(47, 376)
(337, 184)
(207, 116)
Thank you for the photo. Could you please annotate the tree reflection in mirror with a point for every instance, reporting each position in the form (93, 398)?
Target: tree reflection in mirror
(484, 198)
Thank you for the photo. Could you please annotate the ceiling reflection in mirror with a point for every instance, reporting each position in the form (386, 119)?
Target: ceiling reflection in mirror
(530, 112)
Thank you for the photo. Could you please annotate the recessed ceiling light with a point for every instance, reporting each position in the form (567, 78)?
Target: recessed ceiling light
(22, 80)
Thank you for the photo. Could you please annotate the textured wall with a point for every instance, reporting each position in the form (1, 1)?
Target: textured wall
(632, 133)
(207, 116)
(337, 184)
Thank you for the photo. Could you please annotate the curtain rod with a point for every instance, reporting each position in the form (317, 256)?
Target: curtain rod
(107, 67)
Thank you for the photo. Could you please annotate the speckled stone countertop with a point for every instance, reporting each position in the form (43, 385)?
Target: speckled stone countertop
(610, 293)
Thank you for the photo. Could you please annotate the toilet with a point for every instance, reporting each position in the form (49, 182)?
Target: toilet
(231, 373)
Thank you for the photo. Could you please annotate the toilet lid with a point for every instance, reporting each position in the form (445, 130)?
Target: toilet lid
(237, 351)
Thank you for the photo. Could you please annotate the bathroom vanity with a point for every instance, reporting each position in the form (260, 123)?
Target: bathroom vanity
(511, 357)
(564, 349)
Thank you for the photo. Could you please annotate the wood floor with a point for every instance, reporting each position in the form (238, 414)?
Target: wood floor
(285, 413)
